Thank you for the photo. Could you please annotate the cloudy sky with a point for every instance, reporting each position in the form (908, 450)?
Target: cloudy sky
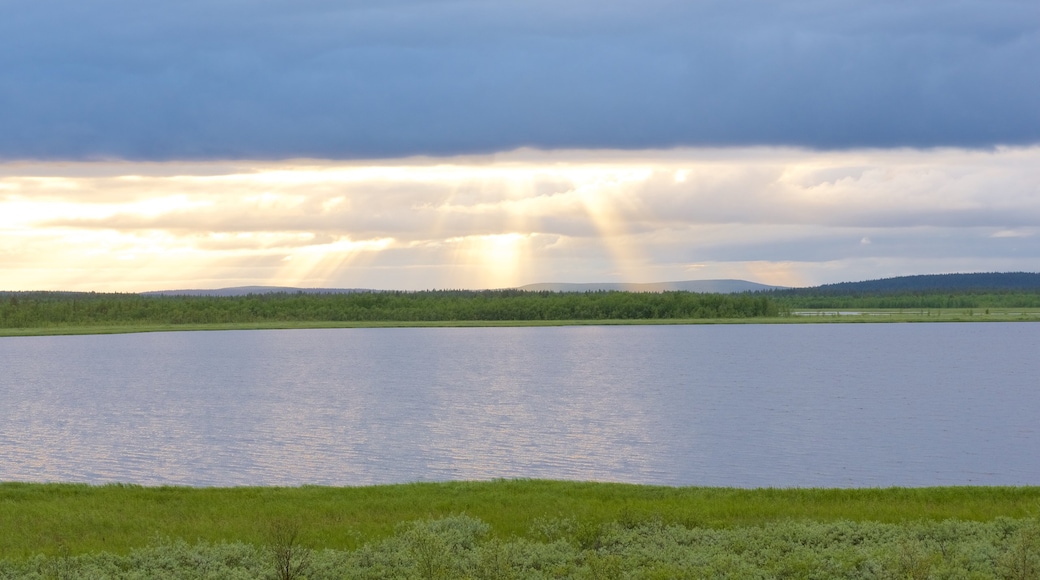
(438, 143)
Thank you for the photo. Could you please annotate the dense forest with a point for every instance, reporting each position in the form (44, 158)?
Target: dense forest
(48, 309)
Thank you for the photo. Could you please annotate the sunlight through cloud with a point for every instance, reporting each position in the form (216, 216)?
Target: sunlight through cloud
(773, 215)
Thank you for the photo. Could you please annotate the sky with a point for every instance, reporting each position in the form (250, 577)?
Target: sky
(415, 144)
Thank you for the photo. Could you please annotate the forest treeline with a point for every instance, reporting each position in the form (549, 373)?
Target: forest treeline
(47, 309)
(71, 309)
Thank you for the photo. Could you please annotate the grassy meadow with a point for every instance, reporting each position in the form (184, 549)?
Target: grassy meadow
(516, 529)
(913, 315)
(116, 518)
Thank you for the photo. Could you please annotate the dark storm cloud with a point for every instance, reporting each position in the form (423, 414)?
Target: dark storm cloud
(274, 79)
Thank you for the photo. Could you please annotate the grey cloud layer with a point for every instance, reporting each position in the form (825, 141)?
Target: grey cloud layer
(279, 79)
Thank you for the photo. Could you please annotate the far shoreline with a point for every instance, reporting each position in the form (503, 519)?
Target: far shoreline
(802, 316)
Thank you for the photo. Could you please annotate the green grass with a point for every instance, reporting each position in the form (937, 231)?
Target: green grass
(819, 316)
(461, 546)
(46, 518)
(915, 315)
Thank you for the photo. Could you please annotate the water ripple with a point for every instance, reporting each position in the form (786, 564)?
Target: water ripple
(747, 405)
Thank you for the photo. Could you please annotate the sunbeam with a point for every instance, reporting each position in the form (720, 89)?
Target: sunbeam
(779, 216)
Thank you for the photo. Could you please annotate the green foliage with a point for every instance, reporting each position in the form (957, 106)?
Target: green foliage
(41, 309)
(459, 546)
(75, 519)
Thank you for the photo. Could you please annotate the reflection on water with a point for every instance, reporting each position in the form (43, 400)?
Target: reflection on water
(744, 405)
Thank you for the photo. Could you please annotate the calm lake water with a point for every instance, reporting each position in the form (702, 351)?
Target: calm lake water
(741, 405)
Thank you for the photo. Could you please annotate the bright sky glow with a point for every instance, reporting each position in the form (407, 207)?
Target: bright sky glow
(772, 215)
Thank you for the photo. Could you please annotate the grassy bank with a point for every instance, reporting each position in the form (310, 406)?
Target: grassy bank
(462, 547)
(914, 315)
(817, 316)
(78, 519)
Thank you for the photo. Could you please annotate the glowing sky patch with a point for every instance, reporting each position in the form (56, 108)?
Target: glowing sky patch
(781, 216)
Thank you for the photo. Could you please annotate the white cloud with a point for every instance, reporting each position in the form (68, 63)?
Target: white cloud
(775, 215)
(1017, 233)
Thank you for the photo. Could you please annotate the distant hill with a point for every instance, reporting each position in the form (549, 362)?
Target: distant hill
(245, 290)
(702, 286)
(979, 282)
(975, 282)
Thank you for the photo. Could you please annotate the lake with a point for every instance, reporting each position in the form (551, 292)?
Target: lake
(835, 405)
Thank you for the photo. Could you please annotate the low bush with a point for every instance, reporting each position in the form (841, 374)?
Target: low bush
(460, 546)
